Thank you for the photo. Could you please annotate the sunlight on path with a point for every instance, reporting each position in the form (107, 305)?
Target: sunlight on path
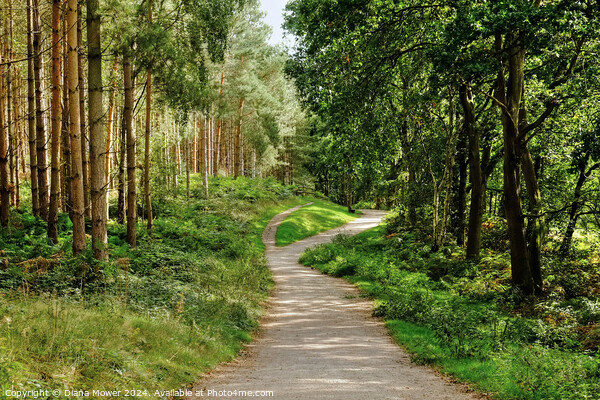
(319, 340)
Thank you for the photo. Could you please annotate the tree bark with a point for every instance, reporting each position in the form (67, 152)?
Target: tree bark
(10, 117)
(509, 94)
(77, 194)
(97, 140)
(40, 130)
(536, 222)
(237, 154)
(66, 139)
(18, 115)
(460, 191)
(121, 173)
(204, 165)
(130, 135)
(4, 173)
(56, 116)
(476, 206)
(147, 136)
(84, 129)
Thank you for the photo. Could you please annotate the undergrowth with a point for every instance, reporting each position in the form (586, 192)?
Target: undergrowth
(152, 317)
(465, 319)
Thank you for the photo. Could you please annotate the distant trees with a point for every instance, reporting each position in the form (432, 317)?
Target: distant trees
(189, 65)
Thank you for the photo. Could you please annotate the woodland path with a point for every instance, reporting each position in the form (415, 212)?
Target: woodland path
(319, 340)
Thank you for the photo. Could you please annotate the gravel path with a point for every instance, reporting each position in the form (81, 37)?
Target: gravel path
(319, 340)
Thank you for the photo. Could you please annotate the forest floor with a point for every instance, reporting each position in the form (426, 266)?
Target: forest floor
(319, 339)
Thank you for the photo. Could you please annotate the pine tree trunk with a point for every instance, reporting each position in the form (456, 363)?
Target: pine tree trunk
(56, 113)
(17, 133)
(85, 142)
(110, 122)
(66, 138)
(147, 136)
(40, 130)
(97, 141)
(121, 173)
(77, 194)
(238, 142)
(187, 169)
(130, 135)
(147, 144)
(35, 198)
(10, 118)
(203, 165)
(4, 173)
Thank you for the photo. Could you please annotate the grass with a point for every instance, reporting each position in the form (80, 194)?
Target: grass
(153, 317)
(462, 318)
(311, 220)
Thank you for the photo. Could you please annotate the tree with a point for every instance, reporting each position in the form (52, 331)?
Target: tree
(40, 130)
(31, 131)
(97, 140)
(147, 135)
(4, 176)
(56, 118)
(77, 194)
(128, 84)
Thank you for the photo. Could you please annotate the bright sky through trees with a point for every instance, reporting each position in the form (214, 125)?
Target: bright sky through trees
(274, 18)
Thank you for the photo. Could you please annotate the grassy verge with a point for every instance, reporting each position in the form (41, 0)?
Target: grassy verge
(463, 319)
(311, 220)
(153, 317)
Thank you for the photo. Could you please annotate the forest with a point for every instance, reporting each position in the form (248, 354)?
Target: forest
(145, 146)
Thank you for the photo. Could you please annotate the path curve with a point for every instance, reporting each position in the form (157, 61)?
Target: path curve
(319, 340)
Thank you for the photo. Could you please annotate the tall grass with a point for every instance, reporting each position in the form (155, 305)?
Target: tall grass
(154, 317)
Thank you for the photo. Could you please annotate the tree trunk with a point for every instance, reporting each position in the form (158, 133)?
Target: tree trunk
(476, 206)
(40, 132)
(460, 193)
(237, 153)
(509, 94)
(147, 136)
(147, 145)
(10, 117)
(77, 194)
(121, 173)
(56, 113)
(84, 129)
(35, 198)
(204, 166)
(4, 173)
(130, 135)
(18, 115)
(65, 139)
(97, 141)
(536, 222)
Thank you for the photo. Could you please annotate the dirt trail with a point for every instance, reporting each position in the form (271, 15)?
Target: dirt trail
(319, 340)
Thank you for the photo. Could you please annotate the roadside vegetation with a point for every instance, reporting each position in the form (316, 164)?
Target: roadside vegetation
(311, 220)
(153, 317)
(465, 318)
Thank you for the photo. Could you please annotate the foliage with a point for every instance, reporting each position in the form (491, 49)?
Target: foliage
(465, 318)
(151, 317)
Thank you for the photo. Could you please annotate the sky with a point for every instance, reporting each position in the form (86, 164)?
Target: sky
(274, 18)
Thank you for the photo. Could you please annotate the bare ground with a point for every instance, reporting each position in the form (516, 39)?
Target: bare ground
(319, 340)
